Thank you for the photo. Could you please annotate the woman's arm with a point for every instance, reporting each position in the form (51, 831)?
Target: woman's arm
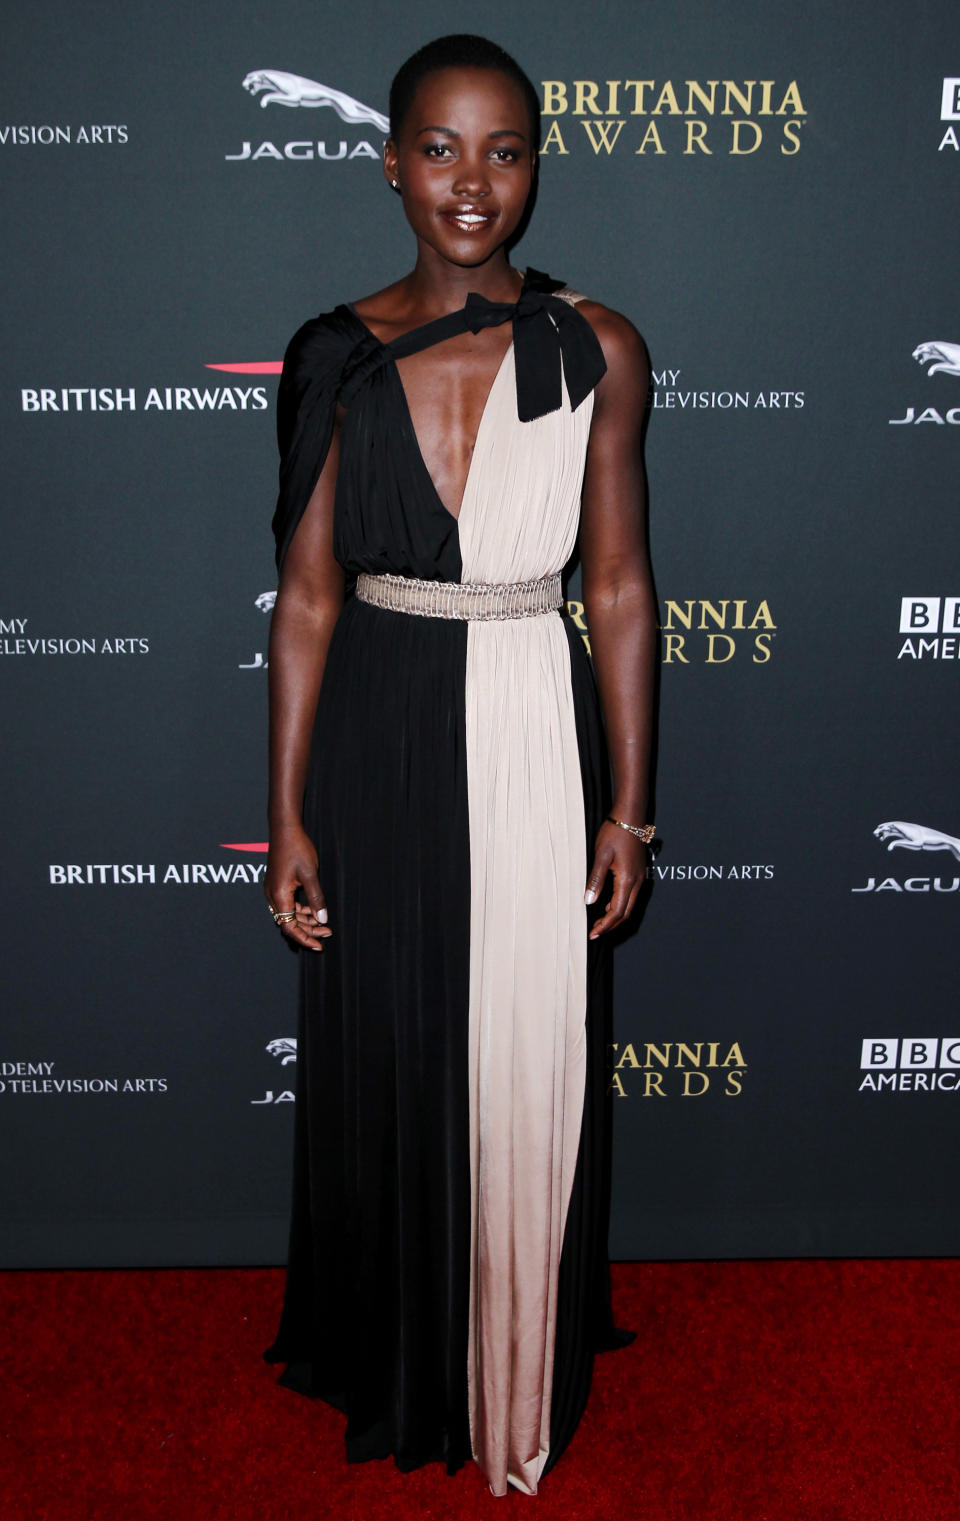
(309, 599)
(618, 602)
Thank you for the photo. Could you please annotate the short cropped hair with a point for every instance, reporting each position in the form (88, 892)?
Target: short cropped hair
(461, 50)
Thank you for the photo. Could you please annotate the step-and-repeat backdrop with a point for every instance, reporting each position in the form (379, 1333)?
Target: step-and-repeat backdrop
(771, 195)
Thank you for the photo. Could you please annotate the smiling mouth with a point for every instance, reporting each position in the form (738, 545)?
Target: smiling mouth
(468, 221)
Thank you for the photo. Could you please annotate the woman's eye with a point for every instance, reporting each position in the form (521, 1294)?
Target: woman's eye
(507, 155)
(436, 148)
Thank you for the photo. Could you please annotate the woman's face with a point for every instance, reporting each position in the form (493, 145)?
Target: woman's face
(464, 161)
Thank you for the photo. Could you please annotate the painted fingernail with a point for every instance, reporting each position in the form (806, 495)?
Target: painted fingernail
(589, 896)
(322, 915)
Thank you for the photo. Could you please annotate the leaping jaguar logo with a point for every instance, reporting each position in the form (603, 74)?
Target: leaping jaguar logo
(898, 835)
(265, 601)
(285, 1047)
(943, 358)
(282, 89)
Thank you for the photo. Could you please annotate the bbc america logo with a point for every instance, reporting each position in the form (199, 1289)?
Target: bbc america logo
(910, 1064)
(950, 111)
(933, 628)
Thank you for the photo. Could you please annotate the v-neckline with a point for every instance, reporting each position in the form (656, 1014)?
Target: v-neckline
(454, 516)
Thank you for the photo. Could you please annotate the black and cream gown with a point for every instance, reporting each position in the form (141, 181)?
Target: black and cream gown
(447, 1282)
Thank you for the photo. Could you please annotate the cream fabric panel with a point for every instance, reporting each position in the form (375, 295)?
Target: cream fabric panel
(518, 521)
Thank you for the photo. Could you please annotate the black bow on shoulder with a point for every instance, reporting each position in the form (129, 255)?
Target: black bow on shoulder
(550, 339)
(550, 336)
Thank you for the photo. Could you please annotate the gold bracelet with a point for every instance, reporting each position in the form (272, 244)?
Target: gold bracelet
(644, 832)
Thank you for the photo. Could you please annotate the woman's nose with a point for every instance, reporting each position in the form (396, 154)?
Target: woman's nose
(471, 177)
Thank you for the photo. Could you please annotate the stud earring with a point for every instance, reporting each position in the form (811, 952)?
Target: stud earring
(395, 184)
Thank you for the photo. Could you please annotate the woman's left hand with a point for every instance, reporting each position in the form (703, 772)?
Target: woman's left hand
(621, 853)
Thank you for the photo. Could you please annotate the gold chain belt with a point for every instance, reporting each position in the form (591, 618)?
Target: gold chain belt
(476, 600)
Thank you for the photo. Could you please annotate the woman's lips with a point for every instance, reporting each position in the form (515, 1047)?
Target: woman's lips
(469, 220)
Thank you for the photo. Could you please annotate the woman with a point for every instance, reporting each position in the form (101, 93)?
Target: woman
(438, 799)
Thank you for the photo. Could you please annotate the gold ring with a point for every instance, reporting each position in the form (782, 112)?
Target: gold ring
(285, 918)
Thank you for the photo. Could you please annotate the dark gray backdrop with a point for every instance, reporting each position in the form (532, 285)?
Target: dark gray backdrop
(143, 1102)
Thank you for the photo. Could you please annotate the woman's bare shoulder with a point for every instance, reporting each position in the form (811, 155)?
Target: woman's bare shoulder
(620, 340)
(385, 312)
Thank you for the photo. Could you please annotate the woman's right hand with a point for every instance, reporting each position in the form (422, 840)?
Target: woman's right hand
(292, 863)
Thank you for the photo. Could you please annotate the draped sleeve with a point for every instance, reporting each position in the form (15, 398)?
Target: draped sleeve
(306, 412)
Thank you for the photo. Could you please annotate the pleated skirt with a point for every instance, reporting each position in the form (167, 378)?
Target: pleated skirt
(447, 1282)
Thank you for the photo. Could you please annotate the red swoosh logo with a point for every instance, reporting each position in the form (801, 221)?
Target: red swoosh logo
(265, 367)
(262, 847)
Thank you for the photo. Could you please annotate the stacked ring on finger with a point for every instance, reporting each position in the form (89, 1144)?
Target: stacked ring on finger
(283, 918)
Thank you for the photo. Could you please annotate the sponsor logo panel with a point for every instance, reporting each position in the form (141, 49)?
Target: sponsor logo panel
(706, 631)
(18, 637)
(284, 1048)
(932, 626)
(23, 1078)
(64, 135)
(950, 112)
(938, 357)
(710, 871)
(671, 394)
(699, 119)
(264, 604)
(677, 1069)
(898, 834)
(49, 401)
(357, 132)
(910, 1064)
(231, 872)
(700, 631)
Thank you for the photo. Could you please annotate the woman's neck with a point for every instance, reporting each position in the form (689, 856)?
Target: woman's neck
(437, 285)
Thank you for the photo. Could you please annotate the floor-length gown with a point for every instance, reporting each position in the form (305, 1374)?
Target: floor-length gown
(447, 1282)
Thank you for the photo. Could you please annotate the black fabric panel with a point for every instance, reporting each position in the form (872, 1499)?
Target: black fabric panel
(306, 410)
(376, 1304)
(389, 518)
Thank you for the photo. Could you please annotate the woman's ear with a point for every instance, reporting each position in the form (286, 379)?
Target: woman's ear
(390, 157)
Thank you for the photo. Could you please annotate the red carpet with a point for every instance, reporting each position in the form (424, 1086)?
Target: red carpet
(755, 1391)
